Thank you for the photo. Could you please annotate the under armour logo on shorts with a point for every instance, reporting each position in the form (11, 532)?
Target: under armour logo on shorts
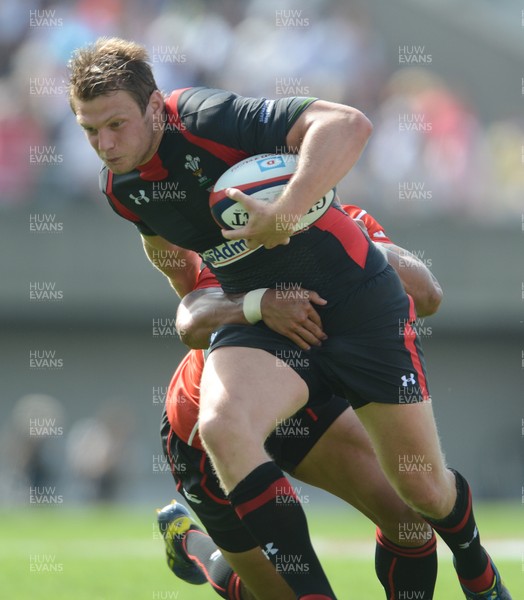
(269, 550)
(407, 380)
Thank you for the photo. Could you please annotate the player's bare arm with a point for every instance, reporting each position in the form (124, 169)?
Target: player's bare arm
(418, 281)
(180, 266)
(331, 138)
(202, 311)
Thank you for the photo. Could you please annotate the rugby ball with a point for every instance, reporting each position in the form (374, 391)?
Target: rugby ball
(264, 177)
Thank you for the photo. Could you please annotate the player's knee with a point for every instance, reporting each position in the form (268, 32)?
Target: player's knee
(211, 432)
(221, 435)
(424, 496)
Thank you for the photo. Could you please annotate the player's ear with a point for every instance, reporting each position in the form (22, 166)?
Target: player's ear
(156, 102)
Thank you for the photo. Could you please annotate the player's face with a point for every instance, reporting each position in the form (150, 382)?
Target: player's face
(120, 134)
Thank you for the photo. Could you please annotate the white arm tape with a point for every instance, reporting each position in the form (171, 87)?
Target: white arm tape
(251, 305)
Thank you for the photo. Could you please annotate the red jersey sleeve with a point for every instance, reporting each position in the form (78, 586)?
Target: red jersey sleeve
(183, 398)
(375, 230)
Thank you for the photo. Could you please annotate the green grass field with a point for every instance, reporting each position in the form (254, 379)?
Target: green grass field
(111, 554)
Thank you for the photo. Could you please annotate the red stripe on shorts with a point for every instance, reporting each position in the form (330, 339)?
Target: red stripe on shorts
(409, 341)
(390, 578)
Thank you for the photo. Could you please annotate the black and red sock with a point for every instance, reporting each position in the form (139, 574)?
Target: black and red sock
(202, 550)
(268, 506)
(406, 572)
(460, 533)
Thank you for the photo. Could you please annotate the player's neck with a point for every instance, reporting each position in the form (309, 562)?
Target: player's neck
(155, 145)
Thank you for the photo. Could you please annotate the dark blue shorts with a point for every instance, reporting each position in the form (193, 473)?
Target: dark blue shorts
(372, 353)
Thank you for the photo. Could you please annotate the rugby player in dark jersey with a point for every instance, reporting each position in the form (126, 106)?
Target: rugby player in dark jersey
(188, 139)
(324, 445)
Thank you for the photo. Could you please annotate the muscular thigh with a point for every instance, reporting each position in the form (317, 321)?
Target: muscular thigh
(407, 445)
(248, 388)
(405, 438)
(344, 463)
(253, 361)
(254, 377)
(244, 394)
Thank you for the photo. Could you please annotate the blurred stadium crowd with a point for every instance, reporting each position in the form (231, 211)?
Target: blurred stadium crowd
(429, 142)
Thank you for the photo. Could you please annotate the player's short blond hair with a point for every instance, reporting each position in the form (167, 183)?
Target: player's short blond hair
(110, 65)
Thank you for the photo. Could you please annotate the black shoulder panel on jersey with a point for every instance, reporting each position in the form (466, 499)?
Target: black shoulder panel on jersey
(253, 125)
(105, 182)
(201, 98)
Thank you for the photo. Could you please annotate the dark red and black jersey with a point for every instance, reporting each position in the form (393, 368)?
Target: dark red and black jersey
(207, 131)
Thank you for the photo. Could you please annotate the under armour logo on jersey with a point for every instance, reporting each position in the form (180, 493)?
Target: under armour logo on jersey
(141, 197)
(191, 497)
(269, 550)
(407, 380)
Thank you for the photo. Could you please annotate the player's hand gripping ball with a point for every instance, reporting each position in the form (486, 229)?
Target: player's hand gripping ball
(263, 177)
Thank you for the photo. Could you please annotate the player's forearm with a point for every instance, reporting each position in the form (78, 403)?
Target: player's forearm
(185, 285)
(203, 311)
(334, 137)
(181, 267)
(418, 281)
